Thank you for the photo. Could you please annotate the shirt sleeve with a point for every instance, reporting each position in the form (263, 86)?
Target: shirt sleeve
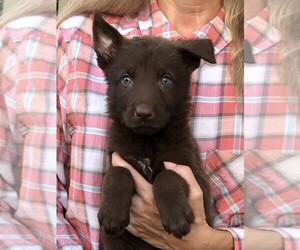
(226, 172)
(290, 236)
(81, 136)
(12, 231)
(238, 237)
(27, 175)
(66, 234)
(273, 179)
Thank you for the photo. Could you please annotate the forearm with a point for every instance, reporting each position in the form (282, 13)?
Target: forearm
(221, 240)
(262, 240)
(201, 237)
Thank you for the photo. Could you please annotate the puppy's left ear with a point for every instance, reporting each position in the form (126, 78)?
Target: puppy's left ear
(194, 50)
(107, 40)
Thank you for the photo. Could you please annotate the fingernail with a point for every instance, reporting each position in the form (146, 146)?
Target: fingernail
(115, 154)
(169, 164)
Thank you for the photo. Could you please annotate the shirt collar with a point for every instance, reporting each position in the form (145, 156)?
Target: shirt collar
(152, 21)
(260, 33)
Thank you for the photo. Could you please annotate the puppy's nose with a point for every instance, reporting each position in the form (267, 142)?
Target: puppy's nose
(144, 112)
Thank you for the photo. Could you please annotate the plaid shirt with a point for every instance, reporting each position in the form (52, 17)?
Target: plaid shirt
(216, 123)
(27, 134)
(272, 195)
(272, 128)
(270, 121)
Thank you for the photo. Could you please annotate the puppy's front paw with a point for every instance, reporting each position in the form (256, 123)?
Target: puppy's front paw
(177, 219)
(113, 222)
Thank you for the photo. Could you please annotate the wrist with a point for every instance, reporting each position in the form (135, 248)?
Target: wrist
(205, 238)
(218, 240)
(263, 239)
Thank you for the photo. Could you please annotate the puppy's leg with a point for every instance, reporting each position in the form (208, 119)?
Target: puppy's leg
(115, 243)
(117, 195)
(126, 241)
(171, 194)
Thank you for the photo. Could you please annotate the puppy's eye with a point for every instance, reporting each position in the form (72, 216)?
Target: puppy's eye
(166, 80)
(126, 80)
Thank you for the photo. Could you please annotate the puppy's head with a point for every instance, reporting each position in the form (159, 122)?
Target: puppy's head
(148, 77)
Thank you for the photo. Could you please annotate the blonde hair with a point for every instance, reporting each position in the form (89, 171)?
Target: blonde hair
(26, 8)
(111, 7)
(286, 18)
(234, 20)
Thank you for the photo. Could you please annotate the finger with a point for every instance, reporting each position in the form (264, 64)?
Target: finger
(155, 236)
(142, 186)
(143, 209)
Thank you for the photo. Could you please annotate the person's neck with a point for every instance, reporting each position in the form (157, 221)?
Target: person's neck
(189, 15)
(253, 7)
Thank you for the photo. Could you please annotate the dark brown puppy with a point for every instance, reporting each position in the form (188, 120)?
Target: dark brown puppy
(149, 103)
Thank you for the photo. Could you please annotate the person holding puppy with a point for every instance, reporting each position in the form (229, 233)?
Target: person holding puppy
(216, 122)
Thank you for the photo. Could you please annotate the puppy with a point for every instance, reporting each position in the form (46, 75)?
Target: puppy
(149, 104)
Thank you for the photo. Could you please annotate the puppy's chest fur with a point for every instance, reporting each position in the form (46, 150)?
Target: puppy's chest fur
(137, 151)
(143, 165)
(147, 153)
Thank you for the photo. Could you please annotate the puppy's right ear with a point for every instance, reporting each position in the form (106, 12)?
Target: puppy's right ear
(107, 40)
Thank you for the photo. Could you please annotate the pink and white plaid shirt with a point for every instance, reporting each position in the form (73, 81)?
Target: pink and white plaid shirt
(46, 204)
(272, 194)
(270, 121)
(272, 133)
(82, 133)
(28, 214)
(27, 133)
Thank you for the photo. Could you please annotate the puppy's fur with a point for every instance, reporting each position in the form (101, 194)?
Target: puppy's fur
(149, 103)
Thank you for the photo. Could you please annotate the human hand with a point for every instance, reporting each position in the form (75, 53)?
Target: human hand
(145, 221)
